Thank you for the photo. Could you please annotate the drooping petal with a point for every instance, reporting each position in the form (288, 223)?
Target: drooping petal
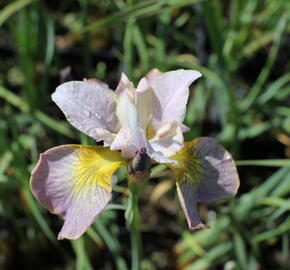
(171, 95)
(187, 196)
(206, 172)
(88, 106)
(74, 181)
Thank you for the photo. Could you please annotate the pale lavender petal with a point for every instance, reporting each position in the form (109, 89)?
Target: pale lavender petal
(220, 178)
(207, 172)
(101, 134)
(122, 138)
(125, 85)
(88, 106)
(126, 111)
(160, 158)
(129, 142)
(184, 128)
(143, 85)
(168, 140)
(171, 95)
(136, 141)
(153, 75)
(144, 104)
(187, 197)
(66, 181)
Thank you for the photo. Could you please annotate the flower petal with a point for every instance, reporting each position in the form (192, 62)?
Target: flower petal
(184, 128)
(87, 106)
(144, 105)
(206, 172)
(122, 138)
(129, 142)
(168, 139)
(125, 85)
(74, 181)
(152, 75)
(126, 111)
(137, 141)
(187, 197)
(104, 135)
(160, 158)
(171, 94)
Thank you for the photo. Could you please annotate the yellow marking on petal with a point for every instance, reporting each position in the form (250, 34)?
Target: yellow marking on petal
(190, 166)
(95, 165)
(150, 132)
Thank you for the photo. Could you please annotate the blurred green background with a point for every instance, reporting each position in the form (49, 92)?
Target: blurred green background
(242, 48)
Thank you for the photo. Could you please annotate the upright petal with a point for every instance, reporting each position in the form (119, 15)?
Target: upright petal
(153, 75)
(126, 111)
(144, 105)
(130, 141)
(125, 85)
(206, 172)
(137, 141)
(122, 138)
(74, 181)
(168, 139)
(171, 95)
(89, 106)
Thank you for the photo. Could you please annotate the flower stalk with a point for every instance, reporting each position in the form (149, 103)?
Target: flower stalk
(133, 223)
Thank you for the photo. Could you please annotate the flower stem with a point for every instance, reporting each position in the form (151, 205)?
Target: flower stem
(133, 224)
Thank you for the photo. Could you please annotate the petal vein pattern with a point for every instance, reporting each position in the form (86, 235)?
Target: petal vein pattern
(74, 181)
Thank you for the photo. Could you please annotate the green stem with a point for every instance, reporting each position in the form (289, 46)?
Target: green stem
(133, 224)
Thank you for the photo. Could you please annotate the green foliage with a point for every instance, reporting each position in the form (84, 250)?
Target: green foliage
(242, 49)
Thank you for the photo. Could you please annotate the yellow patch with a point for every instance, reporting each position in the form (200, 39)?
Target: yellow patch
(190, 167)
(95, 165)
(150, 132)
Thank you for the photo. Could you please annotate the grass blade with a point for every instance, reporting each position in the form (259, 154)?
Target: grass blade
(12, 8)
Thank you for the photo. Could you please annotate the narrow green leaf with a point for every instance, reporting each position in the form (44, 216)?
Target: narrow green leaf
(265, 162)
(12, 8)
(82, 260)
(273, 88)
(39, 218)
(240, 250)
(144, 8)
(266, 70)
(18, 102)
(282, 228)
(275, 202)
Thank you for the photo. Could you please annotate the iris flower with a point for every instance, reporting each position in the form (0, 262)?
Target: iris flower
(135, 125)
